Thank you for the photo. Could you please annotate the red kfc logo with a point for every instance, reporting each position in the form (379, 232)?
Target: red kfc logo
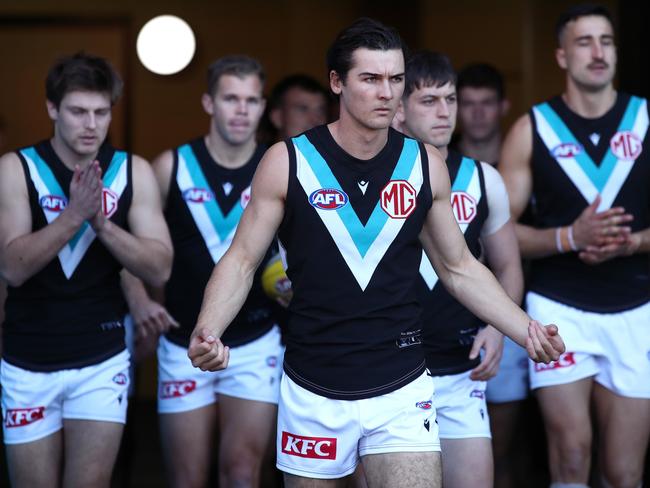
(464, 207)
(109, 202)
(626, 145)
(398, 199)
(309, 447)
(567, 359)
(175, 389)
(19, 417)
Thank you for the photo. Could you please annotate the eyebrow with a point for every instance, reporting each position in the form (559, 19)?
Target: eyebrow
(366, 73)
(589, 36)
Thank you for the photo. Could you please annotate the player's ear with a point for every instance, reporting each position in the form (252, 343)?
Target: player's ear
(208, 103)
(52, 111)
(336, 82)
(504, 106)
(560, 57)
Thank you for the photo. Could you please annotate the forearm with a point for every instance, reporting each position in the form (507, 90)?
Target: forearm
(644, 241)
(536, 243)
(477, 289)
(28, 254)
(147, 259)
(134, 290)
(225, 294)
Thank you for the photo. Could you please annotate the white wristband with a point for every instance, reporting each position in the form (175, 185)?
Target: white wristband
(572, 243)
(558, 240)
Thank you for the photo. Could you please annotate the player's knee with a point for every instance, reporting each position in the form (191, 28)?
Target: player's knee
(241, 467)
(574, 458)
(621, 475)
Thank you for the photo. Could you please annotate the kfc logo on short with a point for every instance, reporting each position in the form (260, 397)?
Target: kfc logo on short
(398, 199)
(175, 389)
(19, 417)
(109, 202)
(464, 207)
(567, 359)
(626, 145)
(309, 447)
(245, 197)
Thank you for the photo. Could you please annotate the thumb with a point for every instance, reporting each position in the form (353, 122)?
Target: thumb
(207, 335)
(476, 349)
(594, 205)
(551, 329)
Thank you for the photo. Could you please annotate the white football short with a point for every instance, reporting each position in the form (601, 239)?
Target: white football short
(614, 348)
(34, 404)
(511, 382)
(253, 373)
(461, 410)
(320, 437)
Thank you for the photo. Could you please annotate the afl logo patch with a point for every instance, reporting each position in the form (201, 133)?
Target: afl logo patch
(197, 195)
(53, 203)
(398, 199)
(328, 199)
(464, 206)
(566, 150)
(109, 202)
(426, 405)
(245, 197)
(626, 145)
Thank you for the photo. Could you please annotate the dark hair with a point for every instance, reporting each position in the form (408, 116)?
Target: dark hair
(581, 10)
(304, 82)
(237, 65)
(363, 33)
(481, 75)
(85, 72)
(427, 68)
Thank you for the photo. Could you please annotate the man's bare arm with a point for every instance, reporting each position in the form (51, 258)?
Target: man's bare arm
(232, 277)
(469, 281)
(24, 253)
(146, 251)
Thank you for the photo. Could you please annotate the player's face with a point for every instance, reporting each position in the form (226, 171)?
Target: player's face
(479, 112)
(81, 122)
(236, 108)
(430, 114)
(301, 110)
(587, 52)
(372, 89)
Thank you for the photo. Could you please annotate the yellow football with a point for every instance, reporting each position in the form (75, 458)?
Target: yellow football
(275, 282)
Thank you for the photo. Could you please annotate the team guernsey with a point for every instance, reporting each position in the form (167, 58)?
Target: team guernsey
(204, 206)
(574, 160)
(449, 328)
(350, 233)
(69, 314)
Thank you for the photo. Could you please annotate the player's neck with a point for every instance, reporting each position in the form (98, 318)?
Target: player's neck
(229, 155)
(589, 105)
(444, 151)
(69, 157)
(358, 141)
(484, 150)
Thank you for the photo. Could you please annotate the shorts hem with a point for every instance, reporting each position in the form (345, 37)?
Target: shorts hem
(560, 381)
(185, 408)
(314, 474)
(35, 438)
(94, 418)
(386, 449)
(482, 435)
(498, 401)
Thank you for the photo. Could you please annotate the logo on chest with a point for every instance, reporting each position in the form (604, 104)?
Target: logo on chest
(53, 203)
(464, 206)
(398, 199)
(198, 195)
(566, 150)
(109, 202)
(245, 197)
(626, 145)
(328, 199)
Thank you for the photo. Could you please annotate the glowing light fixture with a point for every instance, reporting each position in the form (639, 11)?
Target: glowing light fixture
(166, 44)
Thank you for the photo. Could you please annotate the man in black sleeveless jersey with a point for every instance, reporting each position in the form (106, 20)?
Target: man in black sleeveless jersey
(205, 186)
(351, 201)
(297, 103)
(453, 336)
(581, 156)
(64, 206)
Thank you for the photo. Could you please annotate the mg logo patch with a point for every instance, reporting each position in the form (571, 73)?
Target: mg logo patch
(464, 206)
(626, 145)
(398, 199)
(245, 197)
(109, 202)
